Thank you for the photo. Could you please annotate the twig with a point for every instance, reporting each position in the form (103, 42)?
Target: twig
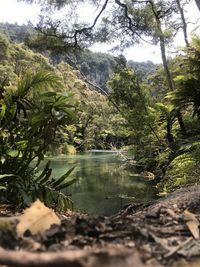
(181, 245)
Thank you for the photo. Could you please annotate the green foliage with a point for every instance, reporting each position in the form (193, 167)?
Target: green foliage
(4, 47)
(97, 67)
(184, 169)
(16, 33)
(30, 118)
(126, 91)
(132, 101)
(37, 110)
(143, 69)
(129, 97)
(182, 164)
(23, 191)
(187, 90)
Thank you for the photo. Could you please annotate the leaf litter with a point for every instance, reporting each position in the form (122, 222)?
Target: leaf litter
(162, 233)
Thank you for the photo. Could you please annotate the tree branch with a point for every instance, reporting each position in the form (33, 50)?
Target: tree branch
(74, 35)
(130, 23)
(85, 29)
(107, 257)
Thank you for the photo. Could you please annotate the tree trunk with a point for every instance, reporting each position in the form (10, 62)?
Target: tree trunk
(181, 122)
(184, 27)
(170, 82)
(198, 4)
(169, 136)
(165, 64)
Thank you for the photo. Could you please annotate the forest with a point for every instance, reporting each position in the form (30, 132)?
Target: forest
(59, 101)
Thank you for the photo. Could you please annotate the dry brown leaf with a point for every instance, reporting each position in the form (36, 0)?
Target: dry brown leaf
(192, 223)
(194, 228)
(37, 219)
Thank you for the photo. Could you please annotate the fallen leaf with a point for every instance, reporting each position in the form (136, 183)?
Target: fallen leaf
(192, 223)
(162, 194)
(36, 219)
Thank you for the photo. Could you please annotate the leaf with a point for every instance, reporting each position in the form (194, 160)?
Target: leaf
(63, 177)
(44, 172)
(46, 177)
(179, 78)
(26, 197)
(162, 194)
(2, 109)
(39, 81)
(12, 153)
(192, 223)
(22, 144)
(37, 219)
(63, 186)
(5, 176)
(37, 119)
(2, 188)
(194, 228)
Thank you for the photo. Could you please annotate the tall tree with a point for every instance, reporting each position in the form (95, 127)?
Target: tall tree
(125, 22)
(198, 3)
(184, 23)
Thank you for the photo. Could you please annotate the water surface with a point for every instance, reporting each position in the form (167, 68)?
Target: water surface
(105, 184)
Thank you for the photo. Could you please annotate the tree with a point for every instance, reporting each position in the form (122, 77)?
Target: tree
(132, 102)
(4, 47)
(187, 91)
(183, 20)
(168, 116)
(129, 22)
(17, 33)
(143, 69)
(198, 4)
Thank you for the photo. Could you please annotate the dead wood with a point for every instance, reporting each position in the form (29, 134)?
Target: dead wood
(108, 257)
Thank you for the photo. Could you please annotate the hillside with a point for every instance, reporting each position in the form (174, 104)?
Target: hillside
(97, 67)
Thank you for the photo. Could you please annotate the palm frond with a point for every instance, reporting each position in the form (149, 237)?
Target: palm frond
(59, 181)
(39, 81)
(44, 187)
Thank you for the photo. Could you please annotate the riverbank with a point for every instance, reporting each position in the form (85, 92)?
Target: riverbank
(159, 234)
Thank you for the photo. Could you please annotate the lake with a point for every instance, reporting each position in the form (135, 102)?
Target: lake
(105, 184)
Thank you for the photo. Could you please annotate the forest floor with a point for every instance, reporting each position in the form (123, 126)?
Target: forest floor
(163, 233)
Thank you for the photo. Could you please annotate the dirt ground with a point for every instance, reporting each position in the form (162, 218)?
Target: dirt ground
(163, 233)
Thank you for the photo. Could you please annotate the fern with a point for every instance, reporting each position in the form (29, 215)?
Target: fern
(184, 169)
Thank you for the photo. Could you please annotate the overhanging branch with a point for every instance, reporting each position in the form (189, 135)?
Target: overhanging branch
(85, 29)
(130, 23)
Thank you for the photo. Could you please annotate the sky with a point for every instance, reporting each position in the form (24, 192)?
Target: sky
(13, 11)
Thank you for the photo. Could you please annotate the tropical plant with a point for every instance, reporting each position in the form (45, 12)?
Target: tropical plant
(187, 90)
(22, 191)
(167, 116)
(30, 118)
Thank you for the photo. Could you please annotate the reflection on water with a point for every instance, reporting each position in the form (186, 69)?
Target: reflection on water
(104, 186)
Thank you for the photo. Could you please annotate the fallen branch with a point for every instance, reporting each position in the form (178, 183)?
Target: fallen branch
(109, 257)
